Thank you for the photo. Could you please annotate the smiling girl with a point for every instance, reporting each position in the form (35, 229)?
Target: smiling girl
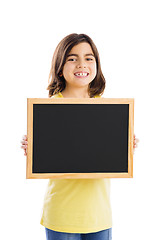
(76, 208)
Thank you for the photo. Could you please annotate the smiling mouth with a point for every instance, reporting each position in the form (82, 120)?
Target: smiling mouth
(81, 74)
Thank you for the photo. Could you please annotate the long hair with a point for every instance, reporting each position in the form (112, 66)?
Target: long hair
(56, 80)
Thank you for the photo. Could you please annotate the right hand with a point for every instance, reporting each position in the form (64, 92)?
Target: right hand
(24, 144)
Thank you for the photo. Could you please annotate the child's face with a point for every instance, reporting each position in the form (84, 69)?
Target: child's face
(81, 62)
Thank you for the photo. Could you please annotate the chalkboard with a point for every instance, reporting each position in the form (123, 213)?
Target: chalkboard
(80, 138)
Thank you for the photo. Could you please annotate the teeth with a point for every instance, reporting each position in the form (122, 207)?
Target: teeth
(81, 74)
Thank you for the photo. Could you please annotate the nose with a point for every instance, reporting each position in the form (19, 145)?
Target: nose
(81, 64)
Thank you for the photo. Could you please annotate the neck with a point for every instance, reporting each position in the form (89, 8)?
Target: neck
(75, 93)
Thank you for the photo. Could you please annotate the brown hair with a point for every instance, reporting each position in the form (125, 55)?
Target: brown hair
(57, 83)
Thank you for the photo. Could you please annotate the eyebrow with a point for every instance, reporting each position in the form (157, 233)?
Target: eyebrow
(88, 54)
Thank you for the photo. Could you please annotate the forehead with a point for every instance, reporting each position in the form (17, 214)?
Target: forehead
(83, 47)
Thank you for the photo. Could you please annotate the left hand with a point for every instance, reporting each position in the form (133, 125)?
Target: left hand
(135, 141)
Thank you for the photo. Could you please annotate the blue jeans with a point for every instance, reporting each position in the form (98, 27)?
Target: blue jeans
(102, 235)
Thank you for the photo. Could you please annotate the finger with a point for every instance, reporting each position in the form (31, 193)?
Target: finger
(24, 147)
(24, 142)
(136, 140)
(25, 137)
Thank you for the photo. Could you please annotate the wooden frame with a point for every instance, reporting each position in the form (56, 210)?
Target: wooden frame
(32, 101)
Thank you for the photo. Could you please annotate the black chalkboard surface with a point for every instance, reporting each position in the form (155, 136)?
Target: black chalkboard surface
(80, 138)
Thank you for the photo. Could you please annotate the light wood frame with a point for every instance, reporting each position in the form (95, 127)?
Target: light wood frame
(31, 101)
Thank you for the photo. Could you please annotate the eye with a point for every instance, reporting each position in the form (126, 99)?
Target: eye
(89, 59)
(71, 59)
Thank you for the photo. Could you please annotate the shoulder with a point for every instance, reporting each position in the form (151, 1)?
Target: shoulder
(57, 95)
(98, 96)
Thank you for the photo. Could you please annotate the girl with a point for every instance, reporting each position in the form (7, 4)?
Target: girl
(76, 208)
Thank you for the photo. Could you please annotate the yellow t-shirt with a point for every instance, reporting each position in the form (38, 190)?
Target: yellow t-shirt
(77, 205)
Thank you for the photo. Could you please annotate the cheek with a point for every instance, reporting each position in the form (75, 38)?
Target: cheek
(67, 68)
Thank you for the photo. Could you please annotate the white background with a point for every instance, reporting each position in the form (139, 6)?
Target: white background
(127, 35)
